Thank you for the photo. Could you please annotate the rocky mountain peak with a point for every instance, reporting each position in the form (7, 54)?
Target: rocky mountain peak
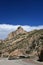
(19, 30)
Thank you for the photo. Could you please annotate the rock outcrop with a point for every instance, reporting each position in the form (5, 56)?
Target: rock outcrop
(29, 42)
(19, 30)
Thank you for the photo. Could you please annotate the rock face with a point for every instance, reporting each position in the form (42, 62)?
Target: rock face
(18, 31)
(29, 42)
(17, 52)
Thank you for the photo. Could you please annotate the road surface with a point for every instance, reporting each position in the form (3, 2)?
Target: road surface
(14, 62)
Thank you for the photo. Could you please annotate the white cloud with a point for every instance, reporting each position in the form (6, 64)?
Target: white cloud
(5, 29)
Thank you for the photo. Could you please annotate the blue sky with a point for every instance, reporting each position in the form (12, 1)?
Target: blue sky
(25, 13)
(21, 12)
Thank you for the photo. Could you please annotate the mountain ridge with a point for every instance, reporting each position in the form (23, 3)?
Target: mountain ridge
(29, 42)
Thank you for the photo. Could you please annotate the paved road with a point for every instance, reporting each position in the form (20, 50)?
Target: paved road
(14, 62)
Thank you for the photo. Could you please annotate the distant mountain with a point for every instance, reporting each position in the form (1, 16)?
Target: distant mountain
(20, 42)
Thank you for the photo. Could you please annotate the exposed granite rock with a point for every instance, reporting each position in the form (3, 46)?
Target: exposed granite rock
(18, 31)
(29, 42)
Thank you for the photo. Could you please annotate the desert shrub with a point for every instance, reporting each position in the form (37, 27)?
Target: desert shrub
(27, 52)
(21, 56)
